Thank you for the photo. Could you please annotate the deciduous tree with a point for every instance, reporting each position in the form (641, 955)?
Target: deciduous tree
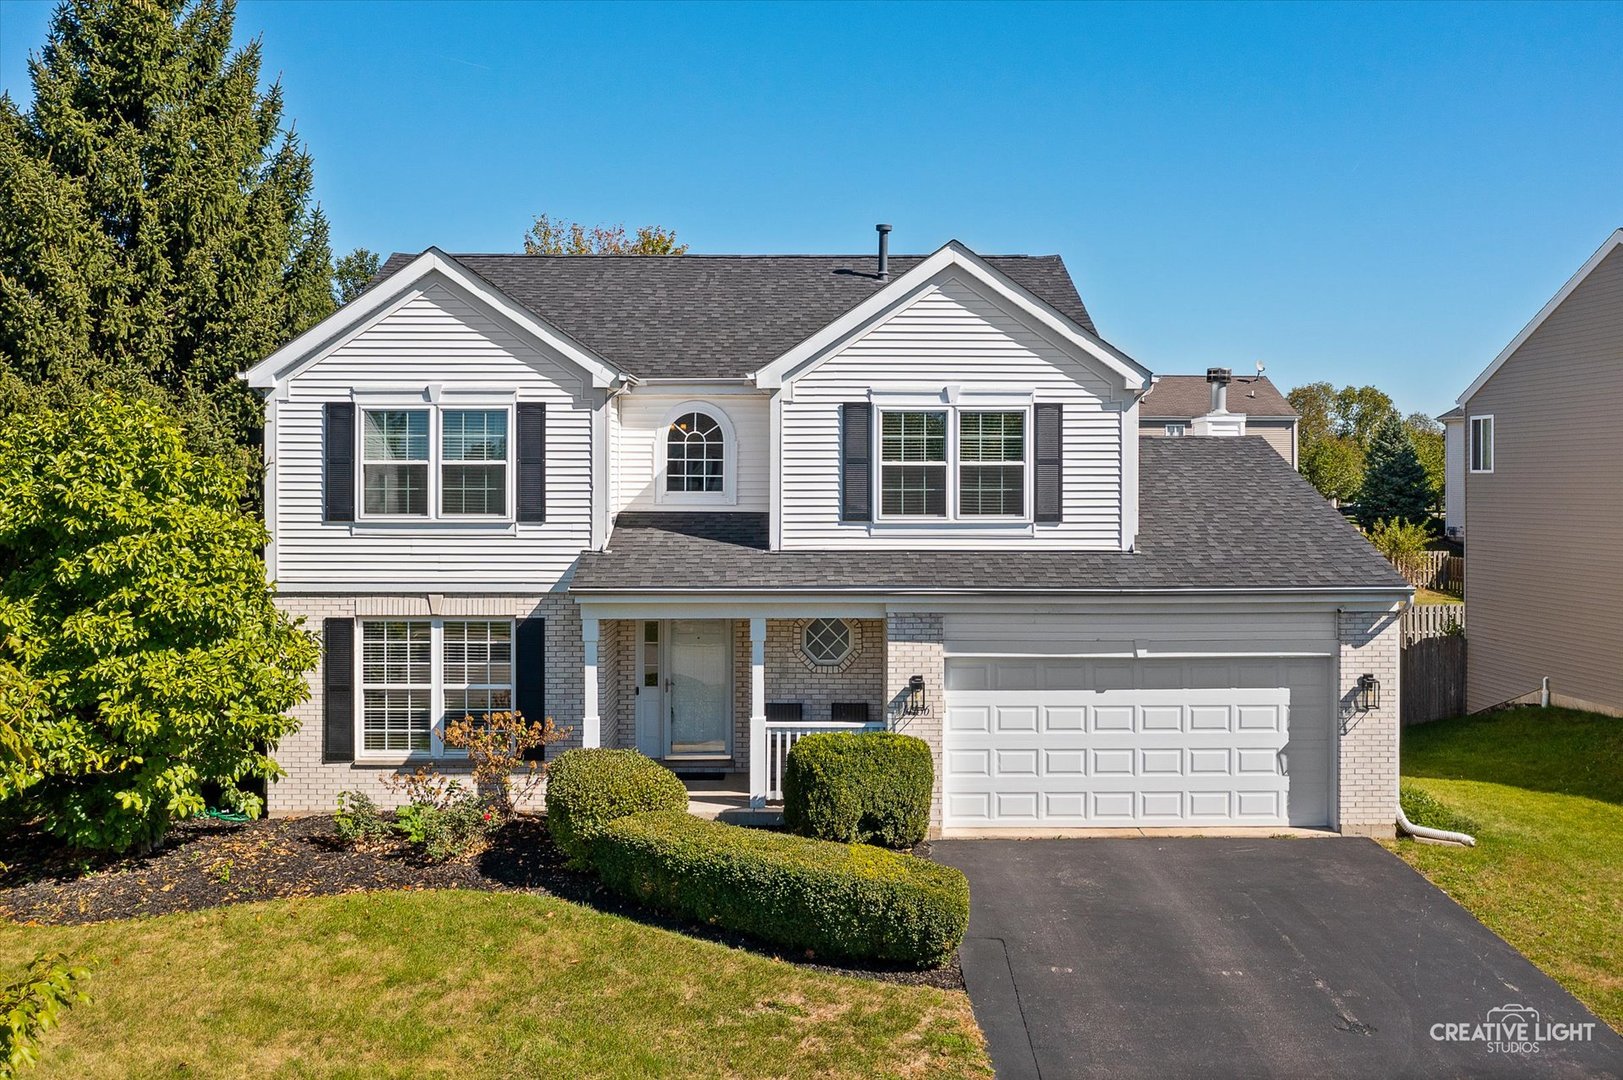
(549, 236)
(141, 653)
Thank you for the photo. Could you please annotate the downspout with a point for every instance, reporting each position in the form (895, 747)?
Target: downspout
(1426, 832)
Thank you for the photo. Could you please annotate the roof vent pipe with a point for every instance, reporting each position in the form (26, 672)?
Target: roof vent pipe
(1219, 378)
(884, 252)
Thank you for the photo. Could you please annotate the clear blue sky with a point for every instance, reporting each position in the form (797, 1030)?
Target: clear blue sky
(1361, 194)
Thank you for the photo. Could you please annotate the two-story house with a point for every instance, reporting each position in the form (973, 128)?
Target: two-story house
(1179, 405)
(1535, 480)
(701, 505)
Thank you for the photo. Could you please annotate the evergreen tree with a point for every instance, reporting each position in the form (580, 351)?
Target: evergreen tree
(1396, 487)
(156, 222)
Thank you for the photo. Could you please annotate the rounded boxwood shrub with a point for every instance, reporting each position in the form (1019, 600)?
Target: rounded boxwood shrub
(588, 788)
(848, 902)
(859, 787)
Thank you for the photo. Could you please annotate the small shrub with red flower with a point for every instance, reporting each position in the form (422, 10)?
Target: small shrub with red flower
(441, 818)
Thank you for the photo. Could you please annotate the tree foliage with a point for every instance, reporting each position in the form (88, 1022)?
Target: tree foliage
(155, 215)
(141, 653)
(549, 236)
(1395, 484)
(352, 273)
(1335, 432)
(1427, 436)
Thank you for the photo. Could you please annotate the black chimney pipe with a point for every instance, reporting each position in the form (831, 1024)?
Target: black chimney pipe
(884, 252)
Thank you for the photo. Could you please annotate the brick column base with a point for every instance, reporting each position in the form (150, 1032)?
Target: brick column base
(913, 646)
(1367, 750)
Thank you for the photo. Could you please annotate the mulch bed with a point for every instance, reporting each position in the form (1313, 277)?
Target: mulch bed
(206, 863)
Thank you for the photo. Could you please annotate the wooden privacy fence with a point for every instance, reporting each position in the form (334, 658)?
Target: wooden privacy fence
(1433, 570)
(1433, 679)
(1432, 620)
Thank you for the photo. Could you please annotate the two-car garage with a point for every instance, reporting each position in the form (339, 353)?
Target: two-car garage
(1047, 724)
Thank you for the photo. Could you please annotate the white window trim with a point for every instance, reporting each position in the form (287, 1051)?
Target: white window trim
(1471, 443)
(728, 495)
(436, 696)
(1175, 431)
(436, 402)
(966, 404)
(820, 662)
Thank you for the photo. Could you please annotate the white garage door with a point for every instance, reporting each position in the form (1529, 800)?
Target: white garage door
(1045, 741)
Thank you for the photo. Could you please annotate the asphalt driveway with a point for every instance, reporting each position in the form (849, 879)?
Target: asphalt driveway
(1225, 957)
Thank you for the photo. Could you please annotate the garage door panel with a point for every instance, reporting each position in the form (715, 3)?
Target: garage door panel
(1113, 717)
(1143, 743)
(1065, 762)
(1015, 762)
(967, 718)
(1015, 718)
(1162, 761)
(1065, 719)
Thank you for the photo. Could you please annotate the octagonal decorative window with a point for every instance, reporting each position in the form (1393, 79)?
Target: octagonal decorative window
(826, 642)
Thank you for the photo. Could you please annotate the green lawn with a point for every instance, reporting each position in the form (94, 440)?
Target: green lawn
(472, 983)
(1547, 872)
(1432, 596)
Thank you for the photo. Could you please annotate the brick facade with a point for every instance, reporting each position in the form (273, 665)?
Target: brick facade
(1367, 757)
(312, 785)
(915, 646)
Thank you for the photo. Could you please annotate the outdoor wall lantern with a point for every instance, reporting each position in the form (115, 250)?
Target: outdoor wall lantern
(1369, 693)
(917, 705)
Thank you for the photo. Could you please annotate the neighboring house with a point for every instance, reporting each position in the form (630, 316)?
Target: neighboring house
(701, 505)
(1453, 422)
(1176, 404)
(1542, 488)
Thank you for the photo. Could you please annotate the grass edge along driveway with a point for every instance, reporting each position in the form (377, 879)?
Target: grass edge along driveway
(469, 983)
(1544, 788)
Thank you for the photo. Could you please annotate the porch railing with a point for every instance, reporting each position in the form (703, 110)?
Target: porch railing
(782, 735)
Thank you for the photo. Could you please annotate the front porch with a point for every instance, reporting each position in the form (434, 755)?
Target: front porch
(720, 700)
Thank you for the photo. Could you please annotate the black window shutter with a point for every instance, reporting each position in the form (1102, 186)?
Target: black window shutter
(856, 461)
(1048, 461)
(532, 461)
(530, 675)
(338, 690)
(338, 422)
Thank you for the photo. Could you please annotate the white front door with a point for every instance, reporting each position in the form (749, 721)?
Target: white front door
(699, 688)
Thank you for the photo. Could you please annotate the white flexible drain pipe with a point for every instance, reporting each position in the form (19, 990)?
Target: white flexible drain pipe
(1429, 833)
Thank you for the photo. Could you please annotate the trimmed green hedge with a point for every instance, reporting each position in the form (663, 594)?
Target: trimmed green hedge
(859, 787)
(835, 901)
(589, 788)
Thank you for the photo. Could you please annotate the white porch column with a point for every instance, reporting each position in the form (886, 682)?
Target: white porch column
(758, 747)
(591, 725)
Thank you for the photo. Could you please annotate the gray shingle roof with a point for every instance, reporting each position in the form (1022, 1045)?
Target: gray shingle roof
(1214, 513)
(714, 316)
(1184, 397)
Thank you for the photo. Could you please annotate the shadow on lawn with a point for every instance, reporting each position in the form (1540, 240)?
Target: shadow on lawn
(1561, 751)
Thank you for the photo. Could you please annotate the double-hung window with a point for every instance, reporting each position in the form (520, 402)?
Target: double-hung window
(992, 464)
(473, 463)
(394, 462)
(953, 464)
(419, 674)
(1482, 444)
(437, 462)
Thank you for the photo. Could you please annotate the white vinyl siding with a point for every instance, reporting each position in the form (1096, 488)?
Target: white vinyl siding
(952, 334)
(441, 338)
(641, 423)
